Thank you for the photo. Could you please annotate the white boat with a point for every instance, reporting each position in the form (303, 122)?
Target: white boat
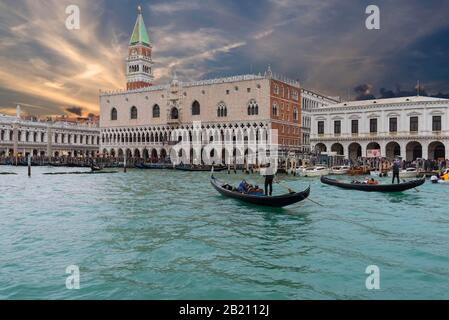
(316, 171)
(338, 170)
(436, 179)
(407, 173)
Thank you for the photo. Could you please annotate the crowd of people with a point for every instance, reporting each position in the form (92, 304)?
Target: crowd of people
(386, 164)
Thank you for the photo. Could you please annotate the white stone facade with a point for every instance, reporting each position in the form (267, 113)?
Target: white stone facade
(410, 127)
(22, 137)
(311, 100)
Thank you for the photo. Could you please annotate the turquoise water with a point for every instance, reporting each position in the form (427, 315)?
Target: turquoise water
(168, 235)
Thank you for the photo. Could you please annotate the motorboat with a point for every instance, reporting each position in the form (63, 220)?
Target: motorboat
(441, 179)
(316, 171)
(407, 173)
(338, 170)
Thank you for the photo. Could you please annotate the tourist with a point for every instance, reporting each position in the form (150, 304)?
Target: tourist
(396, 167)
(373, 182)
(243, 187)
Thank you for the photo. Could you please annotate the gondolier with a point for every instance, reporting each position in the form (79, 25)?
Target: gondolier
(268, 172)
(396, 168)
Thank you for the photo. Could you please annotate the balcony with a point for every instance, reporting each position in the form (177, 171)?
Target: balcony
(172, 121)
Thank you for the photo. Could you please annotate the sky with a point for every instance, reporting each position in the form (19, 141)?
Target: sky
(51, 70)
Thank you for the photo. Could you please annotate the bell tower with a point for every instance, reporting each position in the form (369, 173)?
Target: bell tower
(139, 64)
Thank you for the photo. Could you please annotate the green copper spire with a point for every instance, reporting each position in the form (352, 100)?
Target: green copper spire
(140, 34)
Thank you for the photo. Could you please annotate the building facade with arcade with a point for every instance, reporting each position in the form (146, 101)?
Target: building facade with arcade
(407, 127)
(21, 137)
(139, 121)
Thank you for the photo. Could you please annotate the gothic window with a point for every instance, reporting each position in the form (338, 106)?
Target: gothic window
(156, 111)
(222, 110)
(133, 112)
(195, 108)
(174, 113)
(253, 108)
(295, 95)
(114, 114)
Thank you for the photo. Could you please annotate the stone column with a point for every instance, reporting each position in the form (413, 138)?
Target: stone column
(363, 145)
(49, 140)
(15, 139)
(446, 147)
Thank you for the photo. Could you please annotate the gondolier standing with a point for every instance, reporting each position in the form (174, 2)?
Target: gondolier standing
(396, 167)
(268, 173)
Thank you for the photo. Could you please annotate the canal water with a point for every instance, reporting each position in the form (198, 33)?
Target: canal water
(169, 235)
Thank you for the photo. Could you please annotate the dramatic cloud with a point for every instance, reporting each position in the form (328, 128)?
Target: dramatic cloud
(47, 68)
(363, 92)
(75, 110)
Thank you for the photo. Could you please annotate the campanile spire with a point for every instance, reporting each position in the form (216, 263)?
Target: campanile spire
(139, 64)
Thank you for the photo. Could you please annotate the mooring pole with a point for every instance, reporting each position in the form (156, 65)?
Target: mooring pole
(29, 165)
(124, 163)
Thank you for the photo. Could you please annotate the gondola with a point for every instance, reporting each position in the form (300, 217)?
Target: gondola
(154, 166)
(199, 168)
(273, 201)
(374, 187)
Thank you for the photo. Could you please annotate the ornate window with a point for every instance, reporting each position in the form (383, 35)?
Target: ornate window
(174, 113)
(295, 114)
(133, 112)
(253, 108)
(196, 109)
(222, 110)
(156, 111)
(295, 95)
(114, 114)
(275, 109)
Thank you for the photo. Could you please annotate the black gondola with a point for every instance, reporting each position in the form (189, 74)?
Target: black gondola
(273, 201)
(199, 168)
(374, 187)
(154, 166)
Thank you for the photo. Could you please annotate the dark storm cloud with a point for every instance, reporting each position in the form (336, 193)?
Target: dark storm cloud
(75, 110)
(324, 44)
(363, 92)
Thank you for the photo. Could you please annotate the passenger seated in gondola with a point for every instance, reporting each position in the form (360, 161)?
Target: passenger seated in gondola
(243, 187)
(372, 181)
(228, 187)
(255, 190)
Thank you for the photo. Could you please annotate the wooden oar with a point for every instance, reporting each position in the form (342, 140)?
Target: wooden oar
(403, 181)
(292, 191)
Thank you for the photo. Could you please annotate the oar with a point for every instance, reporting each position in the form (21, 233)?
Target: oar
(292, 191)
(403, 181)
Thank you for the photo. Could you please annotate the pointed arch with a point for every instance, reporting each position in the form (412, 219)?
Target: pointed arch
(196, 108)
(156, 111)
(113, 114)
(133, 113)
